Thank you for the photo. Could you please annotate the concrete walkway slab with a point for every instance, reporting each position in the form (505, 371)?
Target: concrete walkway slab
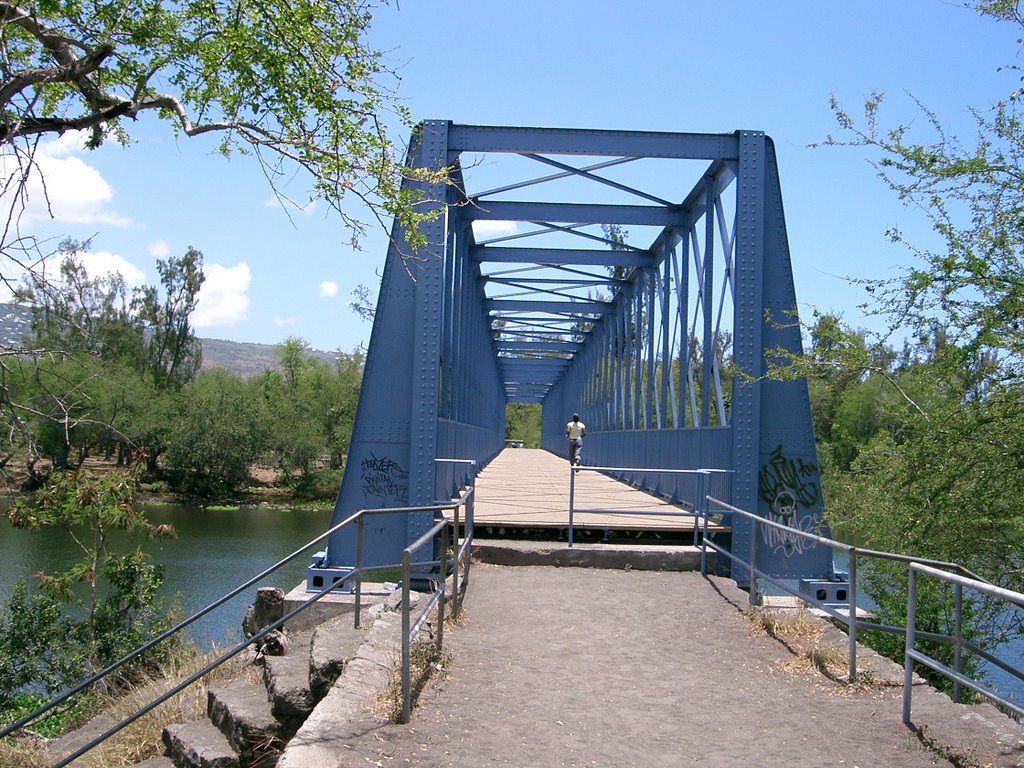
(584, 668)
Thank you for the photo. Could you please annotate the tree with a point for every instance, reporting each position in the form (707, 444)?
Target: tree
(311, 408)
(79, 381)
(523, 423)
(74, 311)
(292, 354)
(288, 82)
(173, 353)
(44, 643)
(294, 85)
(219, 430)
(949, 411)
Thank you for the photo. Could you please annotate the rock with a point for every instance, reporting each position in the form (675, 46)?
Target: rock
(198, 745)
(287, 681)
(334, 644)
(268, 608)
(275, 643)
(239, 708)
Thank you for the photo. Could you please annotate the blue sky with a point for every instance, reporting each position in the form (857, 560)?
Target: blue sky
(668, 66)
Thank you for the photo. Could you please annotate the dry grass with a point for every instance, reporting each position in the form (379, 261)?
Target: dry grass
(831, 662)
(426, 660)
(803, 635)
(143, 738)
(786, 624)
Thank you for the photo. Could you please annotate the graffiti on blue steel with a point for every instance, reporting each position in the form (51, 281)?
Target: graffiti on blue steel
(383, 477)
(787, 484)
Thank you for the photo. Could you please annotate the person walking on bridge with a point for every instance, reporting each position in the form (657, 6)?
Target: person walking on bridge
(575, 431)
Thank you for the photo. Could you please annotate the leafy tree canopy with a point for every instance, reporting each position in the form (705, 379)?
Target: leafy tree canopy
(291, 82)
(973, 284)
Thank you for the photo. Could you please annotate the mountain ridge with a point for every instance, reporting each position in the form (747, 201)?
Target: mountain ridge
(243, 358)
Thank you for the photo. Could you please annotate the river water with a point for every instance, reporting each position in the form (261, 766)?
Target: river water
(216, 550)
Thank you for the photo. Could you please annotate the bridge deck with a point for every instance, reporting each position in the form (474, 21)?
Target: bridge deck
(524, 488)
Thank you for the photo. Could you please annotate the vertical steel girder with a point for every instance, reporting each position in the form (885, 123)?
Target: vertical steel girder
(431, 389)
(661, 347)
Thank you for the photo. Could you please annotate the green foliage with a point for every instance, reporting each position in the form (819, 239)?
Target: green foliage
(312, 406)
(921, 447)
(935, 613)
(320, 485)
(101, 361)
(38, 647)
(523, 422)
(172, 353)
(291, 84)
(98, 609)
(53, 725)
(217, 433)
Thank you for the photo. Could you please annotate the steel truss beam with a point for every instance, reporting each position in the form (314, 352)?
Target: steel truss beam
(659, 345)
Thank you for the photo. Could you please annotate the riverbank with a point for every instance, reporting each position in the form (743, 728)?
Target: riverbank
(268, 486)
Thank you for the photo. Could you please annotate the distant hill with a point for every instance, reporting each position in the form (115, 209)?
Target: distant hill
(242, 358)
(246, 359)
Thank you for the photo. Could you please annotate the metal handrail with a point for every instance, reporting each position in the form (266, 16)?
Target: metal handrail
(32, 716)
(911, 654)
(695, 513)
(439, 597)
(850, 618)
(463, 500)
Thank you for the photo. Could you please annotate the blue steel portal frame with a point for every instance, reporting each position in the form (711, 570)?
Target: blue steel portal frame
(652, 319)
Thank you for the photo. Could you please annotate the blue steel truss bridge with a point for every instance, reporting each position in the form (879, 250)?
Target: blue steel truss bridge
(639, 279)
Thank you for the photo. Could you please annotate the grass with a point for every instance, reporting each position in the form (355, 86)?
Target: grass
(59, 720)
(786, 625)
(425, 661)
(142, 739)
(801, 632)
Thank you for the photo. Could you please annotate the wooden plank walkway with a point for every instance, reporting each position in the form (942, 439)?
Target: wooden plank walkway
(529, 488)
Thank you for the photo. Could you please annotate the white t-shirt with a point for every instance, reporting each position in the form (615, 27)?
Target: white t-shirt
(575, 429)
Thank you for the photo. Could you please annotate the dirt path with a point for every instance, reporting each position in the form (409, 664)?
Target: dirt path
(607, 669)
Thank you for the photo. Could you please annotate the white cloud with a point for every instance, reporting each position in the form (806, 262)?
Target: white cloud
(484, 230)
(101, 263)
(222, 299)
(328, 289)
(284, 322)
(159, 249)
(63, 187)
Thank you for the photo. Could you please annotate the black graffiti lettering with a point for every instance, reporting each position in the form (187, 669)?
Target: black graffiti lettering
(797, 478)
(383, 477)
(383, 465)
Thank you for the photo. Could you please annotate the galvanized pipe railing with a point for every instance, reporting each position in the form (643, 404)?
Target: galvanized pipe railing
(32, 716)
(464, 500)
(911, 654)
(850, 619)
(696, 513)
(409, 630)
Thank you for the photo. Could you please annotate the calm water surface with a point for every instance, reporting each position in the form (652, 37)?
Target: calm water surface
(215, 552)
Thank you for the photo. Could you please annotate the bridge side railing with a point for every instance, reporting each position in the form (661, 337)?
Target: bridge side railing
(951, 572)
(449, 533)
(698, 514)
(911, 654)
